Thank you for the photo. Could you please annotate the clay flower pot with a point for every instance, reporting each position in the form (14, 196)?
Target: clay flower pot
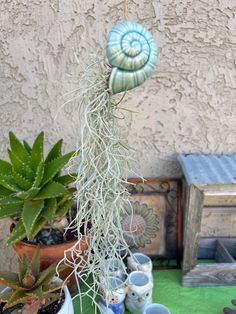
(51, 254)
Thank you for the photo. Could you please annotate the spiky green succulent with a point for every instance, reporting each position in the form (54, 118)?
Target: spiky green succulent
(32, 191)
(30, 286)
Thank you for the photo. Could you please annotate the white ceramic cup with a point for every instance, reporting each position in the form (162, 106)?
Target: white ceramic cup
(114, 268)
(139, 292)
(141, 262)
(112, 298)
(156, 309)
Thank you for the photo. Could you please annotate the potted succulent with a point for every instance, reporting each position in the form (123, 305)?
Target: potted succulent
(38, 199)
(31, 291)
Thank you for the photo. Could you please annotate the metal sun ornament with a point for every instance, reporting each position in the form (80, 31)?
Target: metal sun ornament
(140, 224)
(132, 54)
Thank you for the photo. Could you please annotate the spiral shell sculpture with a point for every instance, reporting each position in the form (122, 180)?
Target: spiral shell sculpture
(132, 54)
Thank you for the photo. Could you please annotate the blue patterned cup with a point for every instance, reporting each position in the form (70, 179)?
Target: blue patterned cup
(156, 309)
(112, 298)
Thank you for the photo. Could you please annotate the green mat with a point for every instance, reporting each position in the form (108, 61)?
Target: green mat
(168, 291)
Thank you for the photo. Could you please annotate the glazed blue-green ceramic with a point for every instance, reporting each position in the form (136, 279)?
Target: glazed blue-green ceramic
(132, 54)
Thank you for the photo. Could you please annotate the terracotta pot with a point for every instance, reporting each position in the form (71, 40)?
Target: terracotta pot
(51, 254)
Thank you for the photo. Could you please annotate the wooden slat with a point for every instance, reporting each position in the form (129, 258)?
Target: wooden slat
(218, 222)
(218, 188)
(192, 228)
(219, 194)
(223, 274)
(223, 200)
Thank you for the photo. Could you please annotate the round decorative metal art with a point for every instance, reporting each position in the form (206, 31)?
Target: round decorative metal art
(140, 224)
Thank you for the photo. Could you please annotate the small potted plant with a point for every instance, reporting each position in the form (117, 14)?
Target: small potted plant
(31, 291)
(38, 199)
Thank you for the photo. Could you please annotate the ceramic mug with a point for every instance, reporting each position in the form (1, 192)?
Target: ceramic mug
(114, 268)
(156, 309)
(139, 293)
(112, 299)
(140, 261)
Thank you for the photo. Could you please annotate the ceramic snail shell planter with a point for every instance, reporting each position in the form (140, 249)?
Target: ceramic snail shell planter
(132, 54)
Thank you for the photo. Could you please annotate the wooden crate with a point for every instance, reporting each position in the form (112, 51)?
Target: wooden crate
(224, 271)
(205, 237)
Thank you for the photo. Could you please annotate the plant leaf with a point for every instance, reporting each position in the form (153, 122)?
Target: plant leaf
(10, 200)
(53, 167)
(9, 279)
(49, 209)
(29, 280)
(66, 179)
(4, 192)
(20, 167)
(5, 167)
(18, 148)
(39, 174)
(31, 211)
(55, 152)
(17, 297)
(5, 297)
(21, 181)
(30, 194)
(51, 190)
(38, 292)
(23, 266)
(17, 234)
(40, 222)
(52, 287)
(46, 276)
(66, 196)
(37, 150)
(10, 210)
(36, 262)
(63, 209)
(9, 183)
(27, 146)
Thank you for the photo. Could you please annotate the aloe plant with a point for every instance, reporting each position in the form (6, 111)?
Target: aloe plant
(30, 286)
(32, 190)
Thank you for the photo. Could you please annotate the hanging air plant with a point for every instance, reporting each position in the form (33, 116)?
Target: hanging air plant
(104, 160)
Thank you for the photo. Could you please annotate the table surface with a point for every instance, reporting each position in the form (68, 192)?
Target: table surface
(168, 291)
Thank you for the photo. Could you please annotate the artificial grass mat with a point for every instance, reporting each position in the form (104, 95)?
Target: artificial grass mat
(168, 291)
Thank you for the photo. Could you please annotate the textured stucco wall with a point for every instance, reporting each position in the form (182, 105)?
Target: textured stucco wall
(188, 104)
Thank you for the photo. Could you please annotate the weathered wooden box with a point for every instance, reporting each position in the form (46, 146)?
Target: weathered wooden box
(209, 219)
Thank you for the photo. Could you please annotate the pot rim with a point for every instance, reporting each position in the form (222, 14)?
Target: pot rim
(44, 246)
(83, 241)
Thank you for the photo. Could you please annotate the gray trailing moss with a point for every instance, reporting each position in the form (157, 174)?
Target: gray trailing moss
(102, 167)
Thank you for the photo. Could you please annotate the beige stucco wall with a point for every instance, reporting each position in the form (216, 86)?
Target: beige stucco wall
(187, 105)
